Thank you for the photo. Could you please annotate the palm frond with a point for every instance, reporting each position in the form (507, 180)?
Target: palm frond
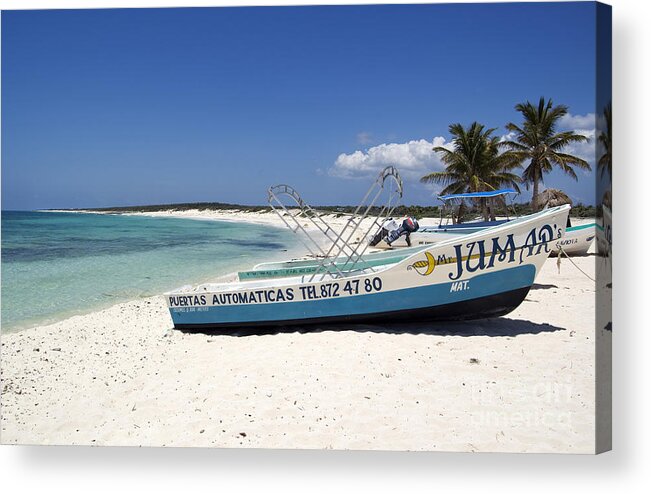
(537, 141)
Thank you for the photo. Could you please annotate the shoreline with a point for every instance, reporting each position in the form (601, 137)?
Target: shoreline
(256, 217)
(264, 219)
(268, 218)
(297, 251)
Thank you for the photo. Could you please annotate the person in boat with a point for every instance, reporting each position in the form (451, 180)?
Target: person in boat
(391, 231)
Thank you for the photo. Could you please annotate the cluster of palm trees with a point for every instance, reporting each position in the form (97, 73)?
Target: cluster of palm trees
(481, 161)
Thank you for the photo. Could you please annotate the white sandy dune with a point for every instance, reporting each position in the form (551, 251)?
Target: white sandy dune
(122, 376)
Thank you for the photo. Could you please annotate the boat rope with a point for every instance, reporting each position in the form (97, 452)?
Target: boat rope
(558, 263)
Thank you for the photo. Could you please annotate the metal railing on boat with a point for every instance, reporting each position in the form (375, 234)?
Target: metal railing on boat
(342, 256)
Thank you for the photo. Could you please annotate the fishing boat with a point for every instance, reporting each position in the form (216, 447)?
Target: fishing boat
(576, 241)
(483, 274)
(450, 227)
(385, 254)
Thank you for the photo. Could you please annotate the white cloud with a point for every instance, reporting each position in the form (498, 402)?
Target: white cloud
(584, 150)
(510, 136)
(574, 122)
(364, 138)
(413, 159)
(416, 158)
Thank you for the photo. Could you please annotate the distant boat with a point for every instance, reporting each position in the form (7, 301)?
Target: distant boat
(448, 229)
(576, 241)
(487, 274)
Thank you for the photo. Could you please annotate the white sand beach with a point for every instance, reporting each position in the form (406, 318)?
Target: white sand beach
(122, 376)
(265, 217)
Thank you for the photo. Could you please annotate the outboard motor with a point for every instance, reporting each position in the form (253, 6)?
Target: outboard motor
(392, 231)
(409, 225)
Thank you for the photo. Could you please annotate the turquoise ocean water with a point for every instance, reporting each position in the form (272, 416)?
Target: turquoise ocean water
(55, 265)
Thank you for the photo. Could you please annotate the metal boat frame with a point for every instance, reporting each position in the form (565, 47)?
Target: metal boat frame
(341, 256)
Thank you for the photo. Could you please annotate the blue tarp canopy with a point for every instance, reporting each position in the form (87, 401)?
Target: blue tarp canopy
(470, 195)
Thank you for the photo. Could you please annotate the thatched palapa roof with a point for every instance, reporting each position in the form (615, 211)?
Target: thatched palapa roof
(550, 198)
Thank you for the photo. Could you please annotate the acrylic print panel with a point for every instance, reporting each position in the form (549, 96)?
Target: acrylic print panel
(341, 227)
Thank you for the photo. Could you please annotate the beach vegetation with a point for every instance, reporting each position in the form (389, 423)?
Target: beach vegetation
(537, 143)
(475, 164)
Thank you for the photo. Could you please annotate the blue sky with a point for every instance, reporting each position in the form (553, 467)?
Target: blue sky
(142, 106)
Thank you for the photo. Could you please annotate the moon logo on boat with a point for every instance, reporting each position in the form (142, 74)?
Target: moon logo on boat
(424, 268)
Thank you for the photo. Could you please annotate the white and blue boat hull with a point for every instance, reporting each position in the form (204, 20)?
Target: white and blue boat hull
(434, 302)
(484, 274)
(577, 240)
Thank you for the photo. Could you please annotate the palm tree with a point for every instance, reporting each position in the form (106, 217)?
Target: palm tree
(605, 138)
(475, 164)
(537, 141)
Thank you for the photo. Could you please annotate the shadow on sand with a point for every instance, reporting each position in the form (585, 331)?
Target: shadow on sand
(484, 327)
(539, 286)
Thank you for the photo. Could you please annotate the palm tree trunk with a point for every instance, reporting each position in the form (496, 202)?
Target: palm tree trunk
(460, 213)
(484, 208)
(534, 199)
